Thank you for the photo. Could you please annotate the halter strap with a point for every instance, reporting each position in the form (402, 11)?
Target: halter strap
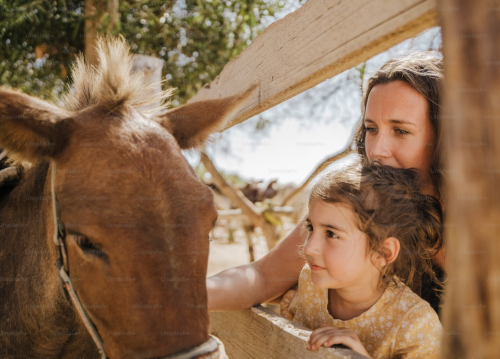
(62, 267)
(207, 350)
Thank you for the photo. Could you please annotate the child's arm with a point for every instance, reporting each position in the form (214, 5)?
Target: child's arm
(328, 336)
(258, 282)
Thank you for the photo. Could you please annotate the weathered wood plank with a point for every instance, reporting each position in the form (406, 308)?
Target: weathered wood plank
(471, 131)
(314, 43)
(259, 333)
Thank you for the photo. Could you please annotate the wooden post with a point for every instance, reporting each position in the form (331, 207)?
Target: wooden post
(248, 234)
(471, 123)
(101, 18)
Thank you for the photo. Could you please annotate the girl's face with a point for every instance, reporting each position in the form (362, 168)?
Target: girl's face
(336, 249)
(398, 130)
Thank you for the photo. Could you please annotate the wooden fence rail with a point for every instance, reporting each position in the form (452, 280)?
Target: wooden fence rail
(260, 333)
(316, 42)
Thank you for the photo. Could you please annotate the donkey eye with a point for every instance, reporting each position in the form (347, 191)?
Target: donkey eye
(88, 247)
(83, 242)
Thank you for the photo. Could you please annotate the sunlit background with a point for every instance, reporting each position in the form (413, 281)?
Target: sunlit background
(195, 39)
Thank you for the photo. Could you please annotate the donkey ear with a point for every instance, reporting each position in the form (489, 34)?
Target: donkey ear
(31, 128)
(191, 124)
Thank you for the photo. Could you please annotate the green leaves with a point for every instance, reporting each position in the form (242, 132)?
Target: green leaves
(38, 40)
(195, 38)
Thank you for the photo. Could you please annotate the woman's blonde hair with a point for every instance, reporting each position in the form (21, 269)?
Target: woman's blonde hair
(424, 72)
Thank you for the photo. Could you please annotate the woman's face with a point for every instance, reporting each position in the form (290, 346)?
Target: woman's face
(398, 130)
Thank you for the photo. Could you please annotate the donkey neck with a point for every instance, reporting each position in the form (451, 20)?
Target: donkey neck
(33, 311)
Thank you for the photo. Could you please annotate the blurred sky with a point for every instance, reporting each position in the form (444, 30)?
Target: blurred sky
(297, 138)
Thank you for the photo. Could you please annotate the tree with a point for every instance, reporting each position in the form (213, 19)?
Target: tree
(40, 38)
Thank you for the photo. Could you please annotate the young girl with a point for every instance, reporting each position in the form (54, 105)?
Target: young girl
(371, 237)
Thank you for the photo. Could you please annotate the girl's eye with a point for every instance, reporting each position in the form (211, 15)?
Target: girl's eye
(370, 129)
(330, 234)
(401, 132)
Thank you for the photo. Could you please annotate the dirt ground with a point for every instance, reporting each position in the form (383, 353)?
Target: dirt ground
(224, 255)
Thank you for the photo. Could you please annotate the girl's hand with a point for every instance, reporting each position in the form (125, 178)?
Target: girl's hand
(328, 336)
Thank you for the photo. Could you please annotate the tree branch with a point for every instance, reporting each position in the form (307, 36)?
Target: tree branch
(240, 201)
(318, 170)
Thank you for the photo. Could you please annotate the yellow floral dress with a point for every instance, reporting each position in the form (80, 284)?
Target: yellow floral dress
(399, 325)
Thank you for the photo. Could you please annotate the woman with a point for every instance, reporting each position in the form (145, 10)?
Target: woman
(400, 127)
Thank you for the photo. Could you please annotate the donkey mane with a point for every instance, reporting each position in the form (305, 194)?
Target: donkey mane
(111, 84)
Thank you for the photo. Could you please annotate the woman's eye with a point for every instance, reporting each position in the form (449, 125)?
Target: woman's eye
(401, 132)
(370, 129)
(330, 234)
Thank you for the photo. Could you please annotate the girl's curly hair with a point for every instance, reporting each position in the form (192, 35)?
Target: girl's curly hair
(388, 203)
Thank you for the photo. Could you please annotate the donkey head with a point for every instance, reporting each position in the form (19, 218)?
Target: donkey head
(137, 218)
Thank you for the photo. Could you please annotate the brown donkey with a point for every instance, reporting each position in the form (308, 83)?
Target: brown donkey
(136, 218)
